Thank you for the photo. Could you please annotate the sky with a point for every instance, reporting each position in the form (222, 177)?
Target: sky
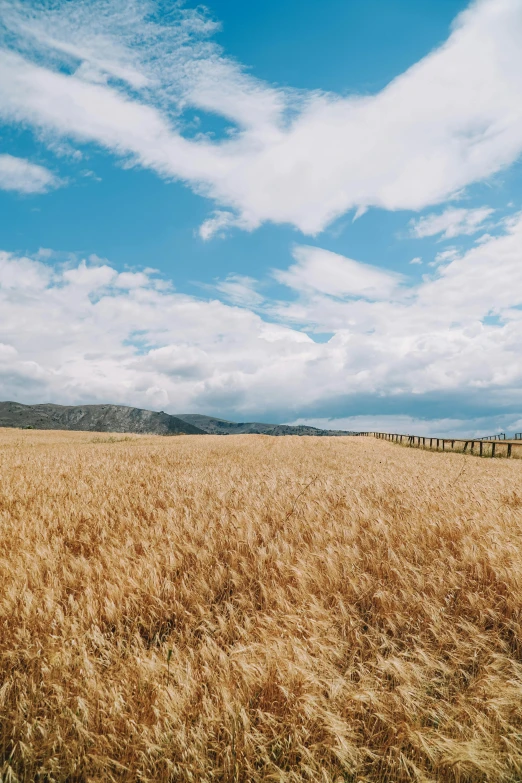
(282, 211)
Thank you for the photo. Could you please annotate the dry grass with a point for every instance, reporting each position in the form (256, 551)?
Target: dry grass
(257, 609)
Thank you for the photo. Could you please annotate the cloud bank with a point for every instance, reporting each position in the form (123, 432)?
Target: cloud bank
(85, 332)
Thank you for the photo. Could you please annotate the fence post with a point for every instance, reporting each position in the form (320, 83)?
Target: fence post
(509, 450)
(472, 446)
(480, 448)
(493, 445)
(465, 447)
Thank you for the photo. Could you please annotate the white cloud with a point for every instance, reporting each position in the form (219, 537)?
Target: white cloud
(76, 333)
(487, 279)
(240, 290)
(329, 273)
(453, 222)
(23, 176)
(444, 256)
(416, 260)
(219, 223)
(90, 278)
(109, 72)
(131, 280)
(86, 332)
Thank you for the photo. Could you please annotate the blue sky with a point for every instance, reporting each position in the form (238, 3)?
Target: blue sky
(267, 210)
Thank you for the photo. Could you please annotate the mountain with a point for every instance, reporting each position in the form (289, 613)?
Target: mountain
(214, 426)
(121, 418)
(93, 418)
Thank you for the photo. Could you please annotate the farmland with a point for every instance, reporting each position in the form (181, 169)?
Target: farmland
(251, 608)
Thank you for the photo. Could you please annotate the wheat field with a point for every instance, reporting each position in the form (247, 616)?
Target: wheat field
(247, 608)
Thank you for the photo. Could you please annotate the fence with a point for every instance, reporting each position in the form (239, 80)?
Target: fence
(479, 447)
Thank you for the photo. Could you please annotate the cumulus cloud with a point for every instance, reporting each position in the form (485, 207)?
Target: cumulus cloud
(451, 223)
(21, 175)
(86, 333)
(114, 74)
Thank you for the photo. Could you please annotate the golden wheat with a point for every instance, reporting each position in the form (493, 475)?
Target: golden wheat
(257, 609)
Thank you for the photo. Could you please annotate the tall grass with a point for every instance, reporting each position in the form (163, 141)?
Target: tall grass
(257, 609)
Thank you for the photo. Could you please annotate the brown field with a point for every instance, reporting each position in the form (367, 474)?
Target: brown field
(257, 609)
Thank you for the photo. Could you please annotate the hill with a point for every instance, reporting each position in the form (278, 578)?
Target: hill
(93, 418)
(122, 418)
(213, 426)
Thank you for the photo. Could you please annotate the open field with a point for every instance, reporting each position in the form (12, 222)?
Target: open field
(257, 609)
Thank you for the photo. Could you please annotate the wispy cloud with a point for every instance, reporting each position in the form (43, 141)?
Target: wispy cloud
(450, 254)
(453, 222)
(329, 273)
(114, 73)
(21, 175)
(240, 290)
(219, 223)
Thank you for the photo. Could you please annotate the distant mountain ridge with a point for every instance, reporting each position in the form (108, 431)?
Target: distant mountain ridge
(214, 426)
(122, 418)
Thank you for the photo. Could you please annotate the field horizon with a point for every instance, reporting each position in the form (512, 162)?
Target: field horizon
(252, 608)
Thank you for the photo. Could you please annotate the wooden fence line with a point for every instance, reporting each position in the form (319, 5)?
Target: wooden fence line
(479, 447)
